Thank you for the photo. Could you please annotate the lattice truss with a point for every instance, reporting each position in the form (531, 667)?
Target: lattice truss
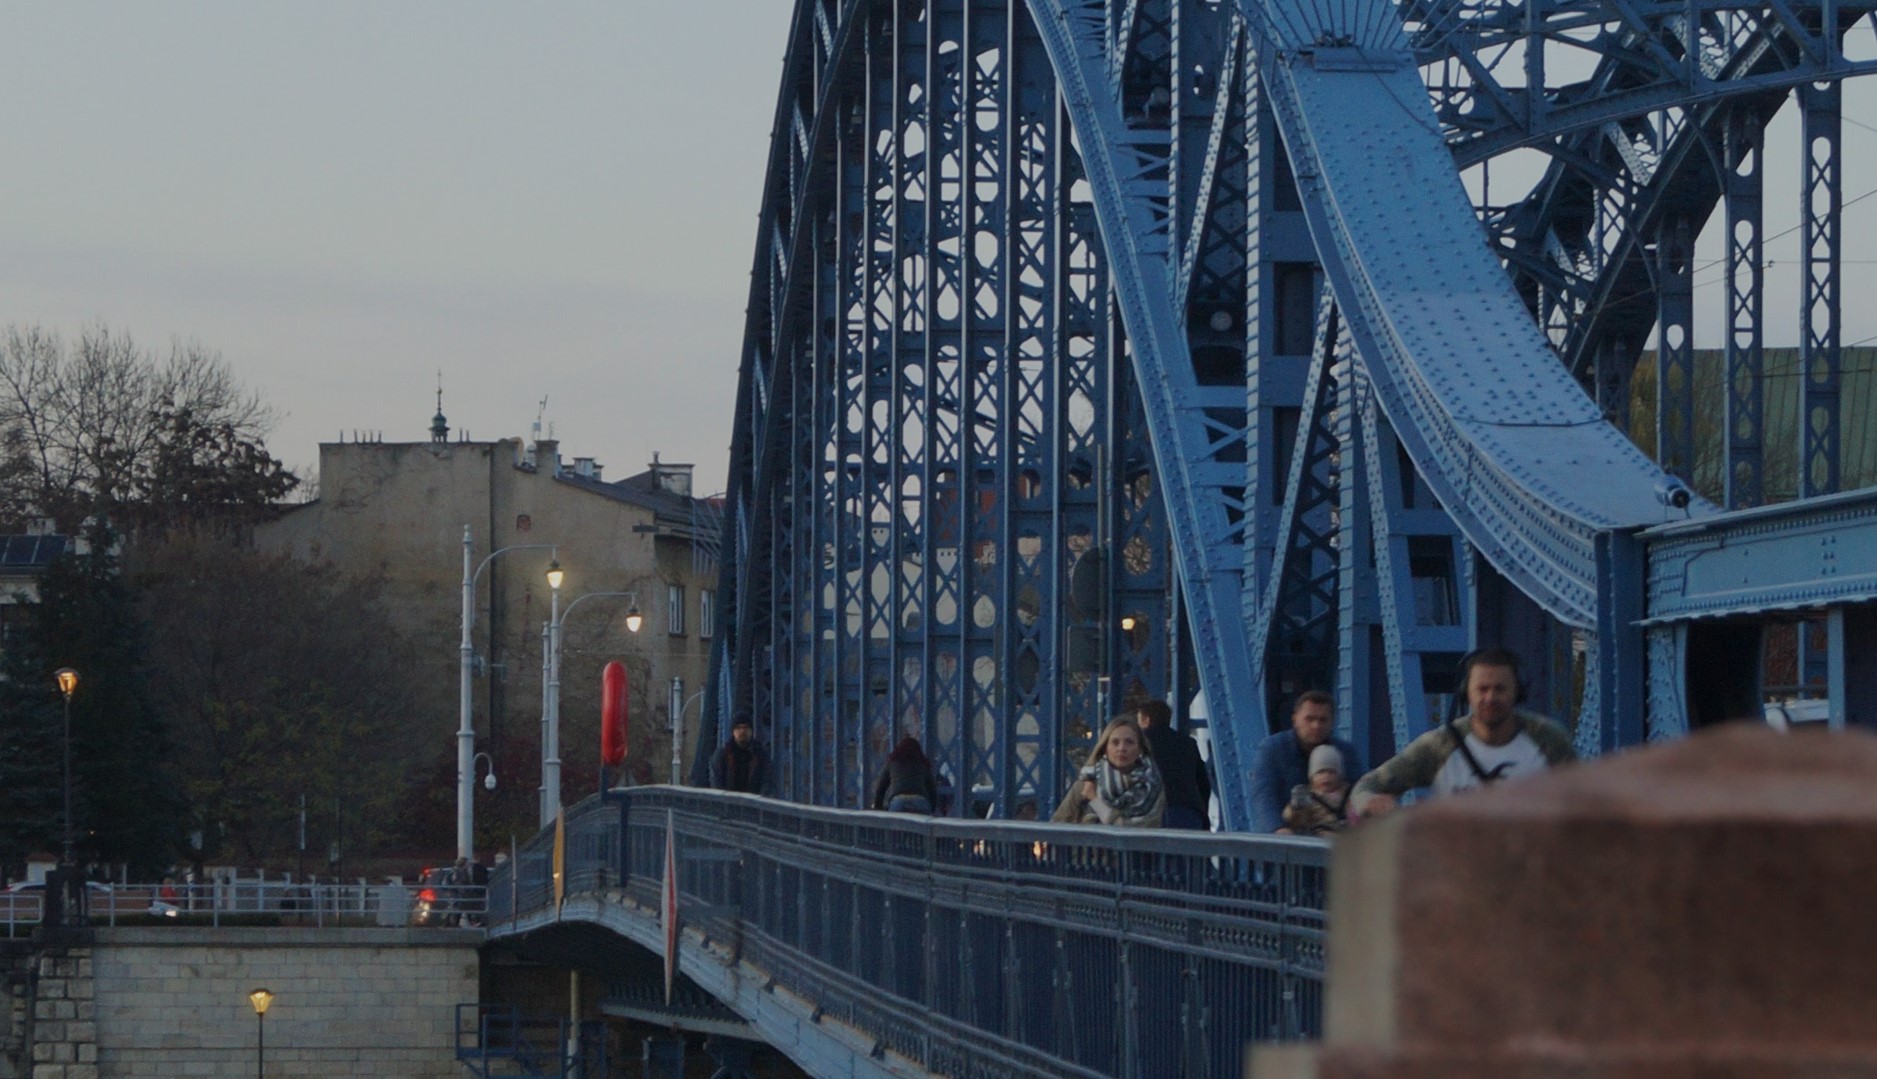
(1650, 119)
(1102, 350)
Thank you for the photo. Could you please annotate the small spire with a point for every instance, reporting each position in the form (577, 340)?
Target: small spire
(439, 427)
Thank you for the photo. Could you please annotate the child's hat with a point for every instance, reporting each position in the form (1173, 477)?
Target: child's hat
(1326, 758)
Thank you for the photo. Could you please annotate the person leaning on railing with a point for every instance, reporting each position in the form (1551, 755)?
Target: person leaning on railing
(1119, 785)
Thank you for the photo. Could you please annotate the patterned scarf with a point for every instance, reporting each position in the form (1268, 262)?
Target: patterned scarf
(1132, 794)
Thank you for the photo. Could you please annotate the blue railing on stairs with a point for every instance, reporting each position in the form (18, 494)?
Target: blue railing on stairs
(494, 1040)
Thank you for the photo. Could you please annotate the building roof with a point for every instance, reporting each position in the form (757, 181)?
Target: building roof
(640, 490)
(696, 519)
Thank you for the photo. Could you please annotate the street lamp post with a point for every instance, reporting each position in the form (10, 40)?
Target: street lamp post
(677, 738)
(550, 710)
(465, 727)
(260, 998)
(550, 702)
(68, 684)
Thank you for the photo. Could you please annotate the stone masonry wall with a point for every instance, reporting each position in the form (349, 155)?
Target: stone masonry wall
(16, 1003)
(64, 1038)
(378, 1002)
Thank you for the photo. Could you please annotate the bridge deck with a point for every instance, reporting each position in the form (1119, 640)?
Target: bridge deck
(873, 943)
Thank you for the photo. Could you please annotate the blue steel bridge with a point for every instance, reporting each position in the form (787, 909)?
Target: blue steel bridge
(1213, 350)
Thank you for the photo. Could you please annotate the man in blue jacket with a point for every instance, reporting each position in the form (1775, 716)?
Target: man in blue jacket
(1283, 760)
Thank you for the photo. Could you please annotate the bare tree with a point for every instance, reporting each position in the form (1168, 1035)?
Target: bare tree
(281, 679)
(83, 425)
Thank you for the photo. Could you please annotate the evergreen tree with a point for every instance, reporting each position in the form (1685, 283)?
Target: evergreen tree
(29, 762)
(124, 805)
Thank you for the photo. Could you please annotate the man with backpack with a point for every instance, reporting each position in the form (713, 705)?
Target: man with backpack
(1494, 741)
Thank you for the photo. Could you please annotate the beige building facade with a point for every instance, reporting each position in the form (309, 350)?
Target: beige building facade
(399, 510)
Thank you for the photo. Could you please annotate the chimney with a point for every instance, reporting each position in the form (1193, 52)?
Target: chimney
(586, 469)
(671, 478)
(547, 456)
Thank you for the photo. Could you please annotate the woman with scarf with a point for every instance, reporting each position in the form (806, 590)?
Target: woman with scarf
(1119, 785)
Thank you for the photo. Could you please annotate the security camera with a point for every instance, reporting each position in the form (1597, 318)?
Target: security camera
(488, 781)
(1674, 494)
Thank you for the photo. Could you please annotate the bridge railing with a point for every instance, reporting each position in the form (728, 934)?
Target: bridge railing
(975, 947)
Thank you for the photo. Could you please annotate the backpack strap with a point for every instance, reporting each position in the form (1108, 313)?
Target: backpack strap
(1459, 742)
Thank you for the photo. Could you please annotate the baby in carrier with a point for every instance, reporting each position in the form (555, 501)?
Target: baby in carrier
(1321, 806)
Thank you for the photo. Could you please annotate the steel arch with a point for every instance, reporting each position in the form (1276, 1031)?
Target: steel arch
(1044, 408)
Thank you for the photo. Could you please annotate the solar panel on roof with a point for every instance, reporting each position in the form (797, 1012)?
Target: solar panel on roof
(28, 551)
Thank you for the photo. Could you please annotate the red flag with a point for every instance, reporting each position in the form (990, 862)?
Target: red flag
(671, 906)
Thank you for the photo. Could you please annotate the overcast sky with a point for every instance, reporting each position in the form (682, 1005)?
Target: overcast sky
(542, 200)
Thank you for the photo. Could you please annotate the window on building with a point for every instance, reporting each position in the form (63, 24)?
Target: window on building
(674, 609)
(706, 612)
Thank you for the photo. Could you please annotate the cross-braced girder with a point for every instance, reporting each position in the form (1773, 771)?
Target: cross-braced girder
(1033, 424)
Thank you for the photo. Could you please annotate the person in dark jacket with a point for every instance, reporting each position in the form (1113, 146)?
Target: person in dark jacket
(1189, 788)
(742, 764)
(906, 784)
(1283, 759)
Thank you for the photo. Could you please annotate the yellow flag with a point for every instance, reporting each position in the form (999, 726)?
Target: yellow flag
(560, 858)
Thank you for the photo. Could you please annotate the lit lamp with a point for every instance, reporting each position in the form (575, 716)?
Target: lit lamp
(1127, 623)
(550, 697)
(68, 684)
(633, 618)
(73, 897)
(260, 998)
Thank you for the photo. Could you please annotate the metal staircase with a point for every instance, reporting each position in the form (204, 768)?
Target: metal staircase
(493, 1041)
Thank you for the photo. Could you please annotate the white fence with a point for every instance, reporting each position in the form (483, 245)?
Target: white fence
(393, 904)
